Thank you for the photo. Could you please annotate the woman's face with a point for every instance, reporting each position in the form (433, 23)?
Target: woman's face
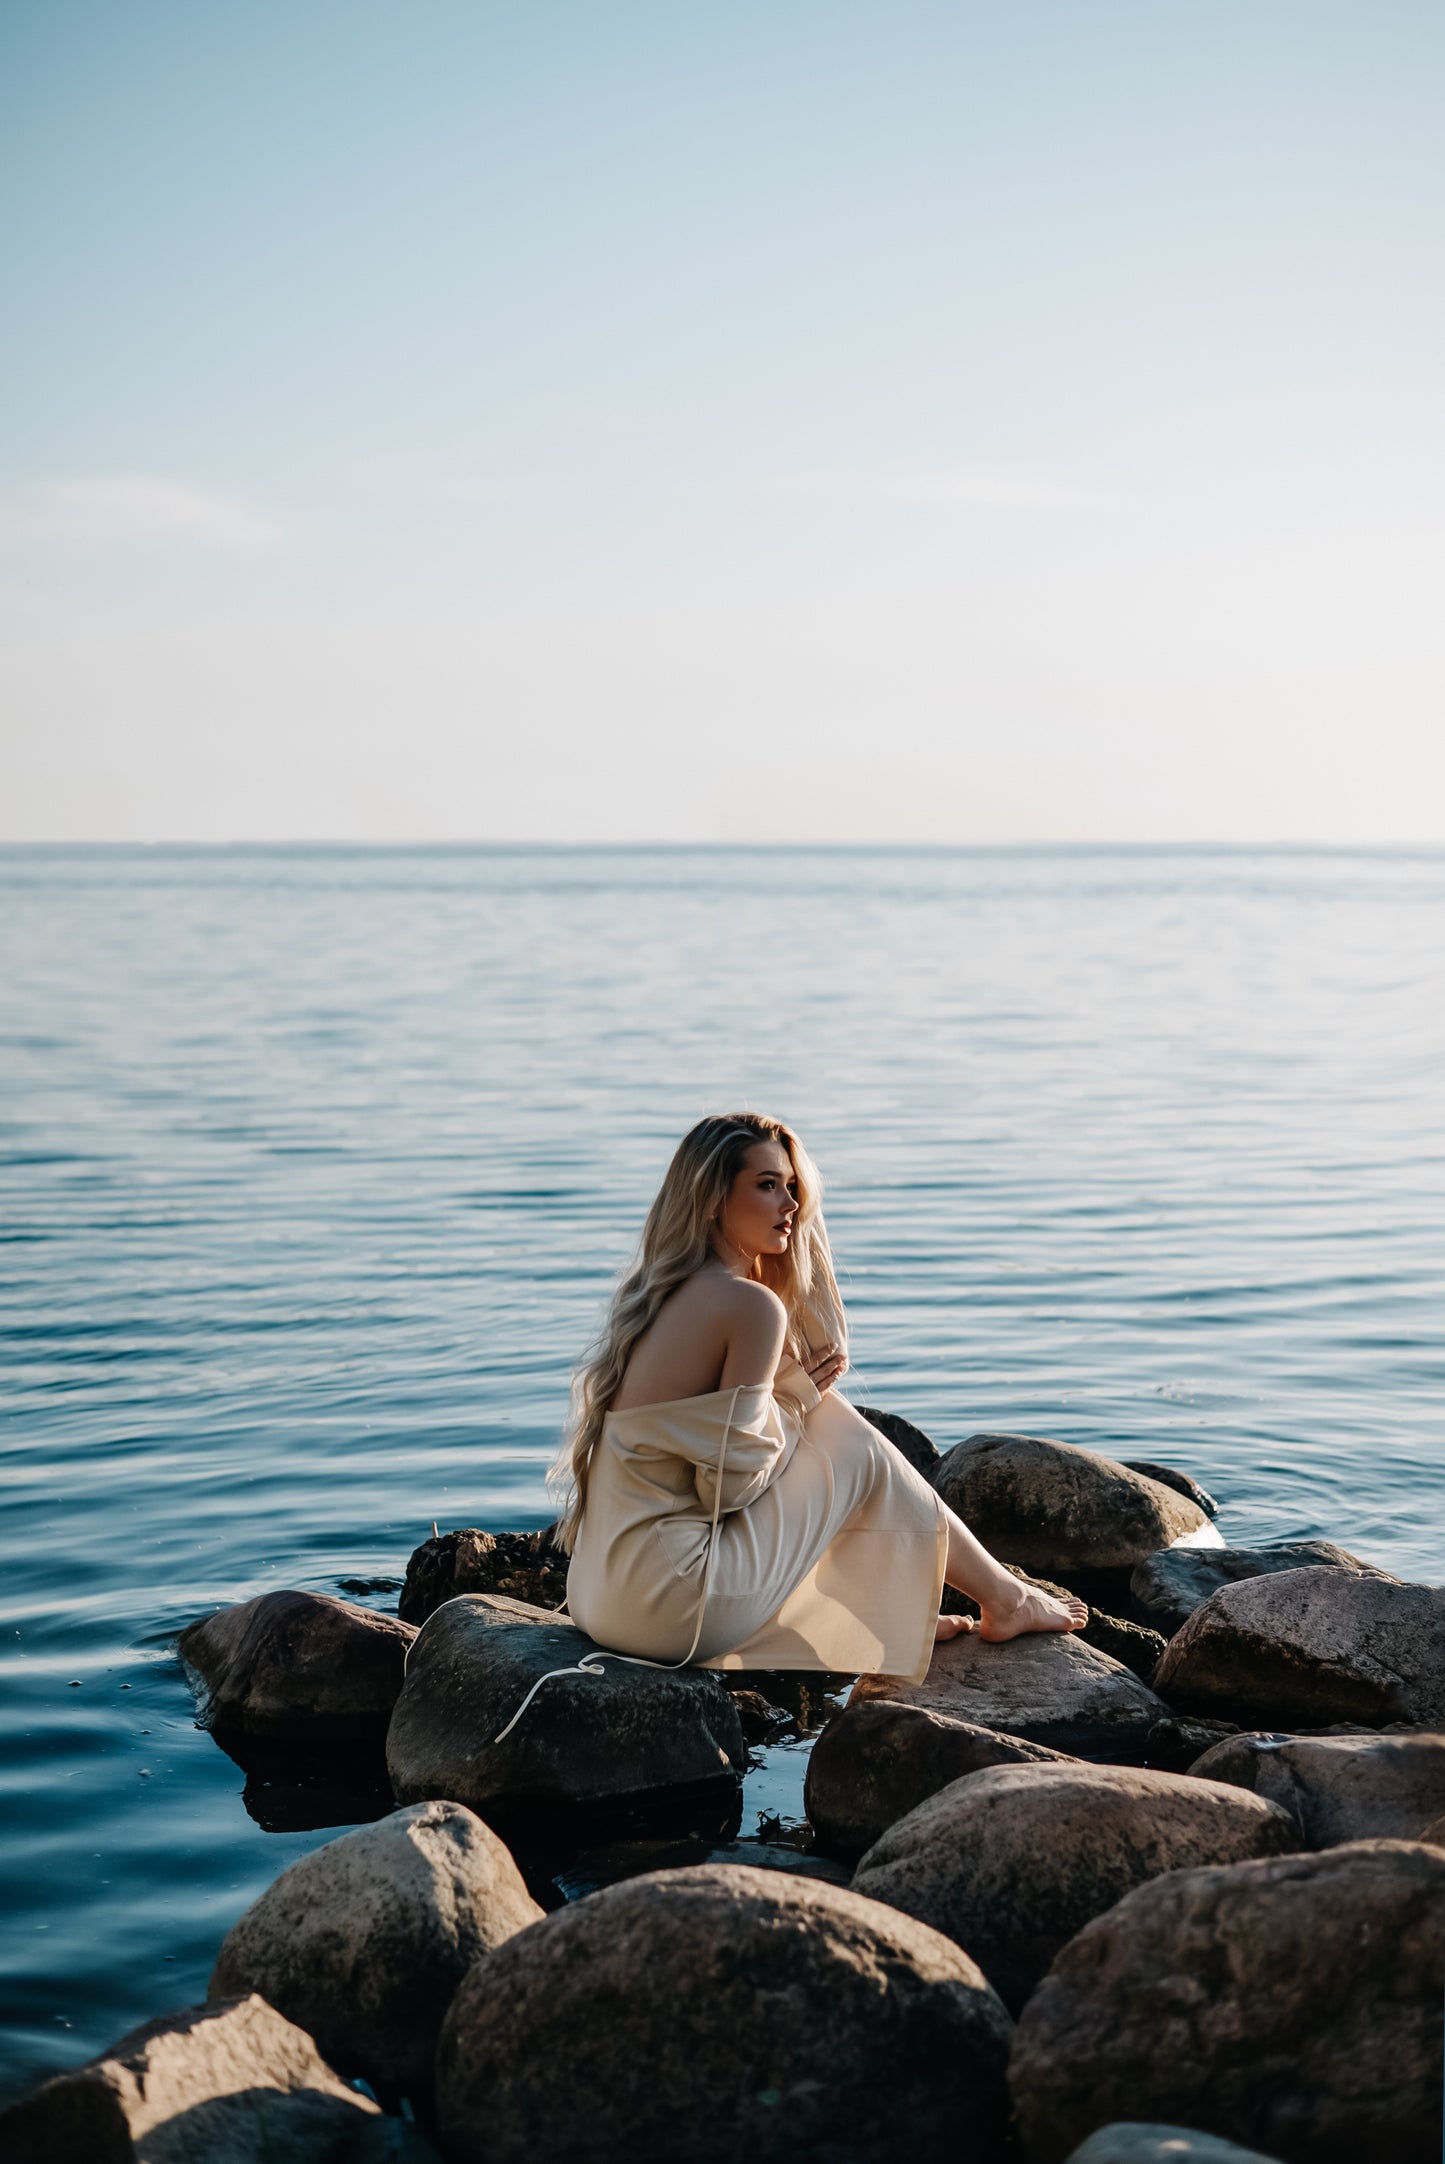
(762, 1202)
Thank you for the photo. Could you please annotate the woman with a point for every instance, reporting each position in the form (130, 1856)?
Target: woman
(723, 1505)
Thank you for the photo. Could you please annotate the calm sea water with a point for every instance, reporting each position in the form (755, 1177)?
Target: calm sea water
(316, 1167)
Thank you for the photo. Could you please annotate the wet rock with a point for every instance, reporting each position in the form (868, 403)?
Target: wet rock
(716, 2013)
(1011, 1862)
(921, 1454)
(584, 1739)
(301, 1665)
(1169, 1476)
(1130, 2143)
(809, 1696)
(876, 1761)
(522, 1566)
(1292, 2005)
(1058, 1510)
(1169, 1587)
(235, 2082)
(1339, 1788)
(1175, 1743)
(1309, 1647)
(1047, 1688)
(592, 1869)
(761, 1721)
(1138, 1648)
(364, 1941)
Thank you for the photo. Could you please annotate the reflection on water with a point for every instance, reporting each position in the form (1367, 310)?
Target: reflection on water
(316, 1166)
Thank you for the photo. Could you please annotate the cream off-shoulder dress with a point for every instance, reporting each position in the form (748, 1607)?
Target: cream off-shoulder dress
(758, 1527)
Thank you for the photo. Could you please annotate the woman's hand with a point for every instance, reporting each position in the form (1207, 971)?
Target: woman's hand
(825, 1367)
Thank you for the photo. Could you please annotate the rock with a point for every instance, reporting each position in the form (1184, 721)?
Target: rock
(808, 1696)
(714, 2013)
(1011, 1862)
(921, 1454)
(584, 1740)
(761, 1721)
(297, 1665)
(1435, 1833)
(1046, 1687)
(1134, 1644)
(591, 1869)
(1339, 1788)
(1057, 1509)
(1309, 1647)
(1175, 1743)
(1138, 1648)
(1169, 1587)
(1126, 2142)
(236, 2083)
(1168, 1476)
(1292, 2005)
(364, 1941)
(523, 1566)
(876, 1761)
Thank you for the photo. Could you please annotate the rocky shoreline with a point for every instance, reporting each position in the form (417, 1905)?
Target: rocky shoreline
(1173, 1887)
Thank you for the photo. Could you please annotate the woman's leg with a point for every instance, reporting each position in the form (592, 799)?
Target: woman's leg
(1009, 1606)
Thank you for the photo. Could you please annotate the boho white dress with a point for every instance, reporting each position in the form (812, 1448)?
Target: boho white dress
(758, 1527)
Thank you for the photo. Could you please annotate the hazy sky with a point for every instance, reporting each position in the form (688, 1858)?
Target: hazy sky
(951, 421)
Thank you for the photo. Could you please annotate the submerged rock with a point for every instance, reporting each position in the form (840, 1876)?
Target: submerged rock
(717, 2013)
(364, 1941)
(300, 1665)
(1012, 1861)
(522, 1566)
(236, 2082)
(1310, 1647)
(1169, 1476)
(1339, 1788)
(1176, 1743)
(876, 1761)
(922, 1454)
(584, 1739)
(1127, 2142)
(1169, 1587)
(1047, 1687)
(1060, 1510)
(1292, 2005)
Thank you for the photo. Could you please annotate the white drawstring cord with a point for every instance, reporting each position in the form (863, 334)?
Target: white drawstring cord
(591, 1665)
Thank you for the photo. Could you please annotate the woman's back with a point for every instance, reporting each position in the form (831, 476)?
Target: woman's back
(715, 1331)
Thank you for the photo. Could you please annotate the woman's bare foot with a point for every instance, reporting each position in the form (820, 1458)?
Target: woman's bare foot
(952, 1626)
(1032, 1610)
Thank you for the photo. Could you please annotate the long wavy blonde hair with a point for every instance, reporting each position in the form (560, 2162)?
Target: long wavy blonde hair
(676, 1242)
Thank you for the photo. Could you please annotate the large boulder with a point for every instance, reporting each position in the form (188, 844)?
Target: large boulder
(299, 1666)
(1011, 1862)
(364, 1941)
(585, 1739)
(875, 1761)
(1127, 2142)
(1311, 1647)
(721, 2012)
(1047, 1687)
(919, 1449)
(1292, 2005)
(1168, 1587)
(1061, 1510)
(1338, 1788)
(235, 2082)
(522, 1566)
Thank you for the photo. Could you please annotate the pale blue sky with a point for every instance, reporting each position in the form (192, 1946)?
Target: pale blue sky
(618, 420)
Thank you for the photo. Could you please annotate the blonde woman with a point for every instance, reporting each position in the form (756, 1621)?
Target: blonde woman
(723, 1505)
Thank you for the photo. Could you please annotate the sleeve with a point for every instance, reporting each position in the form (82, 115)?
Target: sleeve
(752, 1448)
